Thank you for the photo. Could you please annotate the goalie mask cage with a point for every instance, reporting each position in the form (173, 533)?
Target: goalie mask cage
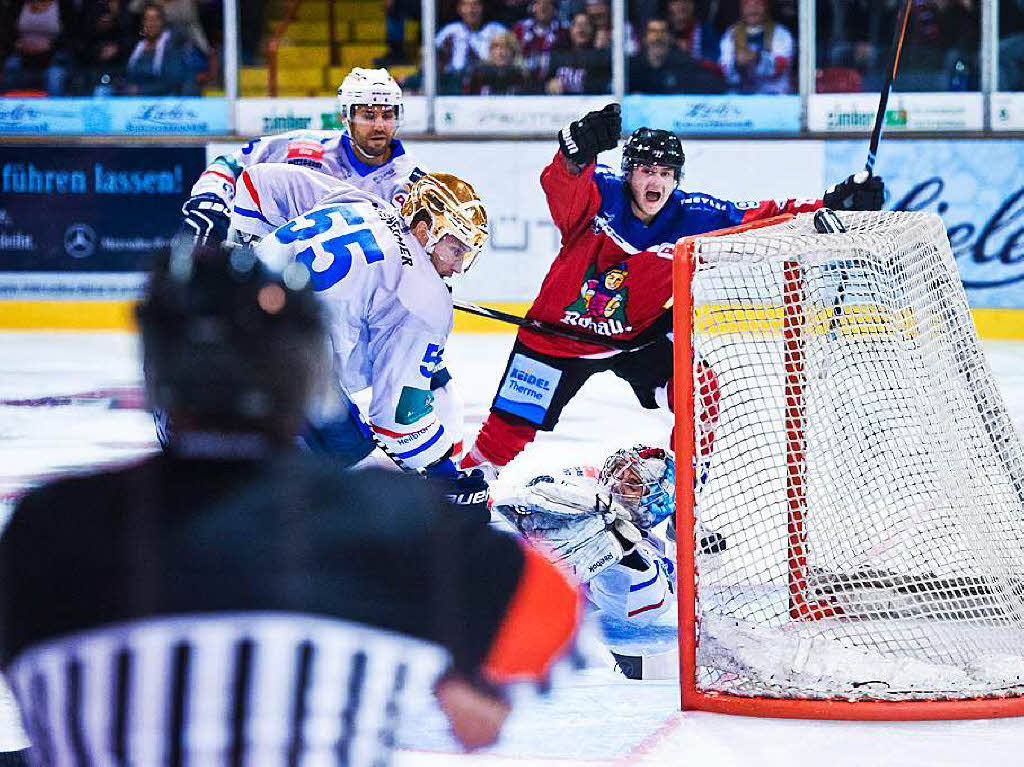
(863, 470)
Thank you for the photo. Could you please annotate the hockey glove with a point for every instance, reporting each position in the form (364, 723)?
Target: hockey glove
(585, 530)
(207, 217)
(861, 191)
(469, 492)
(582, 140)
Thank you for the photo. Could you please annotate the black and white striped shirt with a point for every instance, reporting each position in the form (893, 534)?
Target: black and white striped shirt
(259, 612)
(267, 689)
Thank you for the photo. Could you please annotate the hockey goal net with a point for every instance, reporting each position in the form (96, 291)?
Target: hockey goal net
(864, 473)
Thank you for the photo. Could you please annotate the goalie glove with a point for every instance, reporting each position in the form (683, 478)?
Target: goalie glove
(583, 529)
(207, 218)
(582, 140)
(861, 191)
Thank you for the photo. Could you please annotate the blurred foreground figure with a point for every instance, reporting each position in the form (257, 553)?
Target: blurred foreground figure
(232, 599)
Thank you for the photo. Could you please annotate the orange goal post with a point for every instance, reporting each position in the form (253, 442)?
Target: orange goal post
(861, 465)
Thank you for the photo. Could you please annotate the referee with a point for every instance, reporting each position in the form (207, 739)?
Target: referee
(233, 601)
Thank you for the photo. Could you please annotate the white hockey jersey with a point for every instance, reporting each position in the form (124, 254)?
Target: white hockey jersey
(389, 312)
(328, 152)
(269, 195)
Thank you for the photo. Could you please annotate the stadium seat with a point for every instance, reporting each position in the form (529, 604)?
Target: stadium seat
(837, 80)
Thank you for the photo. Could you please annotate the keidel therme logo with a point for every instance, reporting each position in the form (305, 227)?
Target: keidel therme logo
(528, 388)
(527, 377)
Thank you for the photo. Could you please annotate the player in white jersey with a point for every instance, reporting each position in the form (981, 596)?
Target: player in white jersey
(366, 155)
(600, 524)
(379, 272)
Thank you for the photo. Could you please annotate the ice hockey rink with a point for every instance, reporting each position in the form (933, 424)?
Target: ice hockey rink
(71, 400)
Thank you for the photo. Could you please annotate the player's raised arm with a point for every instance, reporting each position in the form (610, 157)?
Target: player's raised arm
(573, 196)
(861, 191)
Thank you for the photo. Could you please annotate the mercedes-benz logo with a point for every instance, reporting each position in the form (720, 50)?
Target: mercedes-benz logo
(80, 241)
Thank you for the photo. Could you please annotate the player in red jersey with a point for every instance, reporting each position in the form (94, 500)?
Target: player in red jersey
(613, 274)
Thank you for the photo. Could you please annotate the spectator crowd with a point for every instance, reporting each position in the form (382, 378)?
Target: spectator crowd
(510, 47)
(108, 47)
(940, 52)
(712, 46)
(565, 46)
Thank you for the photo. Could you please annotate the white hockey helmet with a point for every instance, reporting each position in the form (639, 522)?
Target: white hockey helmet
(372, 87)
(448, 205)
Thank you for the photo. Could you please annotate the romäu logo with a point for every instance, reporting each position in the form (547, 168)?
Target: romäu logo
(997, 245)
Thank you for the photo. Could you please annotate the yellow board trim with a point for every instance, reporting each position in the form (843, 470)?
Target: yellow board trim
(93, 314)
(67, 314)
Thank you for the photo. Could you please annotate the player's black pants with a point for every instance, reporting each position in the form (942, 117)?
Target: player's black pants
(536, 387)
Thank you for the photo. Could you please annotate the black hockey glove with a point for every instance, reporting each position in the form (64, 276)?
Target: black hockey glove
(469, 492)
(207, 218)
(860, 191)
(581, 141)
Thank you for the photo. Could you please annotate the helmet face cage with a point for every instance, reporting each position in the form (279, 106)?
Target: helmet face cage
(453, 207)
(369, 87)
(642, 480)
(648, 146)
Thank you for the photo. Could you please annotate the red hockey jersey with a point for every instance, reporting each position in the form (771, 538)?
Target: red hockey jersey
(613, 274)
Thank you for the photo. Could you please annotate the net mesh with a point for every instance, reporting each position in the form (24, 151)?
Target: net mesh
(863, 470)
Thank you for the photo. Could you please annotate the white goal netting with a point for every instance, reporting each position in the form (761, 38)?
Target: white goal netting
(864, 470)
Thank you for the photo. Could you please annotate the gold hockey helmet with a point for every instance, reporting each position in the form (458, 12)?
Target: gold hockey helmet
(451, 206)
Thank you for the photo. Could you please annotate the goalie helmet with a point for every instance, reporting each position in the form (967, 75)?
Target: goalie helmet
(373, 87)
(228, 341)
(643, 480)
(651, 146)
(449, 206)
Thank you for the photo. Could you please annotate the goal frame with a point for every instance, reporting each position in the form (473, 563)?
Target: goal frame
(692, 698)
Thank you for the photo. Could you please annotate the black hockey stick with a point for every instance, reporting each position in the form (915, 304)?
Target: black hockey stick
(647, 337)
(839, 302)
(890, 77)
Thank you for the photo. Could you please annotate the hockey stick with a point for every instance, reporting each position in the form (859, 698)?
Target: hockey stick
(890, 77)
(647, 337)
(895, 50)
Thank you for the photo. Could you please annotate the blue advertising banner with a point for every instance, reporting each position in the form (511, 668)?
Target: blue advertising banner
(115, 115)
(713, 114)
(91, 209)
(977, 186)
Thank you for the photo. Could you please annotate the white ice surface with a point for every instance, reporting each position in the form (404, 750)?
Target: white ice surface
(595, 718)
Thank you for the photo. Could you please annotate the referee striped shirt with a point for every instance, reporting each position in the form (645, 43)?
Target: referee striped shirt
(275, 611)
(268, 689)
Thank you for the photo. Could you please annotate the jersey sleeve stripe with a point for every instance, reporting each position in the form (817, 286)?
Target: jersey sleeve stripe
(425, 446)
(539, 623)
(645, 584)
(252, 189)
(225, 176)
(251, 214)
(644, 609)
(389, 433)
